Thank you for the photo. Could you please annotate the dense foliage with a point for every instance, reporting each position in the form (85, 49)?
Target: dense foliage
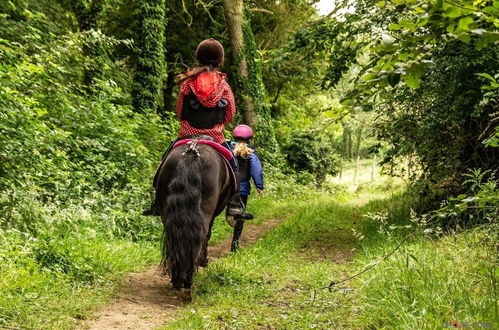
(426, 68)
(305, 152)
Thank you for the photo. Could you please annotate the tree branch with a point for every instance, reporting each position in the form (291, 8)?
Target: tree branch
(261, 10)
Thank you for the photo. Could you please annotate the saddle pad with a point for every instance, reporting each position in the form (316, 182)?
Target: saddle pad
(224, 152)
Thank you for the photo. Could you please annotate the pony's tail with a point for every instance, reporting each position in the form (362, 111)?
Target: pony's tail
(183, 236)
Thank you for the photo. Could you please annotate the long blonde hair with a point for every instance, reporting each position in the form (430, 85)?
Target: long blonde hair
(241, 149)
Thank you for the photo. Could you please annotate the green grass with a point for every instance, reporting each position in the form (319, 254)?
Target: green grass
(429, 281)
(65, 272)
(55, 284)
(60, 262)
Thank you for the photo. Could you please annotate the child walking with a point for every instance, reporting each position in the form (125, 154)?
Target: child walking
(250, 168)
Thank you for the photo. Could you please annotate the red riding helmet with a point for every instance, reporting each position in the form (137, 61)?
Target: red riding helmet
(242, 132)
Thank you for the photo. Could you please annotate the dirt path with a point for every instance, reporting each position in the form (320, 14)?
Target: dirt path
(147, 301)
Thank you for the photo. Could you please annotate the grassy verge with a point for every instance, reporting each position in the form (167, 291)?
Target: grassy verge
(430, 281)
(55, 284)
(58, 264)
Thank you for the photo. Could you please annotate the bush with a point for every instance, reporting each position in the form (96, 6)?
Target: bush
(307, 152)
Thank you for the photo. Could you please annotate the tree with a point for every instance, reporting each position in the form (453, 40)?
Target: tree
(189, 22)
(234, 13)
(87, 13)
(307, 152)
(149, 51)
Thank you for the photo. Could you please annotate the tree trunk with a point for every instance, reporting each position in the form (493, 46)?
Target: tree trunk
(87, 13)
(149, 48)
(234, 13)
(373, 168)
(357, 169)
(358, 136)
(348, 145)
(168, 100)
(409, 167)
(341, 169)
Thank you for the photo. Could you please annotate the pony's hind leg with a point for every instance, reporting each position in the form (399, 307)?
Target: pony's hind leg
(203, 254)
(185, 295)
(177, 282)
(182, 289)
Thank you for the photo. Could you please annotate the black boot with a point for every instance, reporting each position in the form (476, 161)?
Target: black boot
(234, 246)
(235, 206)
(153, 209)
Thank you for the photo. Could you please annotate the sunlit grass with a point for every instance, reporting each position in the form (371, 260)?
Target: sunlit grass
(428, 282)
(56, 286)
(55, 281)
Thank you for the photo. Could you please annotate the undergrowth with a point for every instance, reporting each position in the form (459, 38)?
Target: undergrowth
(431, 281)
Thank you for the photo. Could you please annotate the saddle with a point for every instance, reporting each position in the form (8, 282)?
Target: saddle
(226, 154)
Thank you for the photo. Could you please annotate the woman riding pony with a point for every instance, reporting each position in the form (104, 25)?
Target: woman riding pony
(205, 105)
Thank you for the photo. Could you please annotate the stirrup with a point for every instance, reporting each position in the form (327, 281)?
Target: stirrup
(235, 210)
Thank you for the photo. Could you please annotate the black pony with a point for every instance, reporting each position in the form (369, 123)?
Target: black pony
(194, 186)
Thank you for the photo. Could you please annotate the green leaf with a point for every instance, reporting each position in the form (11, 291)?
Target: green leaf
(464, 23)
(453, 12)
(423, 21)
(420, 10)
(404, 56)
(464, 38)
(486, 75)
(412, 81)
(407, 24)
(394, 27)
(381, 4)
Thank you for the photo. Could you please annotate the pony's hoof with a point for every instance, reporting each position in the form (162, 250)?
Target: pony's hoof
(185, 295)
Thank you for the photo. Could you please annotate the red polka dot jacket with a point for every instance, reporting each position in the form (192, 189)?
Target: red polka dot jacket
(209, 88)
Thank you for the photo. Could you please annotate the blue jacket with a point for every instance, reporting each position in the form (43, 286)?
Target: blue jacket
(255, 172)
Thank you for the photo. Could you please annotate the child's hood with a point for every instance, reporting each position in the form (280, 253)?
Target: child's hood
(208, 87)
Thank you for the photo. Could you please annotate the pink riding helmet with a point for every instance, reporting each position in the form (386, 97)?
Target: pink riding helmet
(243, 132)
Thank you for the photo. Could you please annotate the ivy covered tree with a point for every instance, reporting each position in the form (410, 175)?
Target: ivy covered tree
(87, 13)
(149, 52)
(248, 84)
